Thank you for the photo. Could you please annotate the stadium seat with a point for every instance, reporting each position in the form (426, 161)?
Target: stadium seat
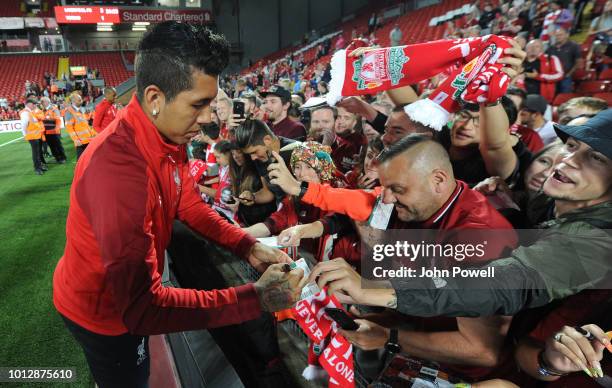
(606, 75)
(584, 75)
(563, 97)
(590, 87)
(109, 64)
(33, 66)
(604, 96)
(414, 25)
(30, 67)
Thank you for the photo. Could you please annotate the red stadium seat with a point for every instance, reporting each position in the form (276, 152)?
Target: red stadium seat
(109, 64)
(590, 87)
(20, 68)
(563, 97)
(33, 66)
(414, 26)
(606, 75)
(584, 75)
(604, 96)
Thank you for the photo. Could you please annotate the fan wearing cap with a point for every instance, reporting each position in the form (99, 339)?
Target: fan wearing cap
(531, 115)
(277, 102)
(310, 162)
(572, 253)
(583, 176)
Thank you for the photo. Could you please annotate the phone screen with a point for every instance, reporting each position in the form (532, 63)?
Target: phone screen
(239, 108)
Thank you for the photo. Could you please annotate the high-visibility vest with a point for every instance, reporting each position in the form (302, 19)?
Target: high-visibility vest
(35, 129)
(52, 120)
(77, 126)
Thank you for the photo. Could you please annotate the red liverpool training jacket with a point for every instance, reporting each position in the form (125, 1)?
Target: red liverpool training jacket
(128, 188)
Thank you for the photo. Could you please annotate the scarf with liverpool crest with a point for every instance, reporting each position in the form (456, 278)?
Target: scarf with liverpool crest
(477, 79)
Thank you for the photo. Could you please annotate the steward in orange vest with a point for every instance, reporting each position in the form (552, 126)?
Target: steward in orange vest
(77, 124)
(52, 122)
(34, 133)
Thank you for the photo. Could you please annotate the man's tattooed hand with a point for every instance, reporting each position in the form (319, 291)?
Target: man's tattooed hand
(278, 290)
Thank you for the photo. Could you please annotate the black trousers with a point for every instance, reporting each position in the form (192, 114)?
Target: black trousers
(80, 149)
(114, 361)
(57, 150)
(37, 157)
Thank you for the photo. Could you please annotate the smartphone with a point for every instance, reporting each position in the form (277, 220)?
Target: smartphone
(271, 158)
(342, 318)
(239, 108)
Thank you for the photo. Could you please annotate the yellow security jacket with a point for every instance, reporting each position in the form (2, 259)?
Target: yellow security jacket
(77, 126)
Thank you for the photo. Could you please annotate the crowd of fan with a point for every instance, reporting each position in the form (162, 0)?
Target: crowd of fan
(498, 157)
(546, 23)
(340, 147)
(278, 161)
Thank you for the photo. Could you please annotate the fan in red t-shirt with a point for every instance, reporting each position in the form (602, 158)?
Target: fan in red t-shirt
(349, 141)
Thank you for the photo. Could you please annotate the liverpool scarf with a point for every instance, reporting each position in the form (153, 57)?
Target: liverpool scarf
(478, 79)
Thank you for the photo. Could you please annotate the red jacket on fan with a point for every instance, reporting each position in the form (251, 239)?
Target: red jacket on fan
(128, 188)
(105, 113)
(551, 71)
(465, 209)
(346, 150)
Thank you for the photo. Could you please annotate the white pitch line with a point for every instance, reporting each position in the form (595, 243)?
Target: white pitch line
(12, 141)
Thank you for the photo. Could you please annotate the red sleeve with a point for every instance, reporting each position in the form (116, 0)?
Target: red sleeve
(556, 71)
(573, 311)
(278, 221)
(204, 220)
(117, 203)
(100, 113)
(357, 204)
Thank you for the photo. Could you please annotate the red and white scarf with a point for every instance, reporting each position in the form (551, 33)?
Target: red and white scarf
(477, 80)
(329, 353)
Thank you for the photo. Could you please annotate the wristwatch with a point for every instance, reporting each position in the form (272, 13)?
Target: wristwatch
(392, 345)
(303, 189)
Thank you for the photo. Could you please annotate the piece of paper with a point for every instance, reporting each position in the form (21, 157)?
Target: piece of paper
(311, 289)
(269, 241)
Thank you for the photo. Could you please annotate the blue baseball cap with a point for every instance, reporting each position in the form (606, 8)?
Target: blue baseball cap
(597, 132)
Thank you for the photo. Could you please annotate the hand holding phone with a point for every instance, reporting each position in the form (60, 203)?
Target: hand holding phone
(342, 318)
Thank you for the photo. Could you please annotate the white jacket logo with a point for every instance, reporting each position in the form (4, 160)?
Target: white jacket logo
(142, 355)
